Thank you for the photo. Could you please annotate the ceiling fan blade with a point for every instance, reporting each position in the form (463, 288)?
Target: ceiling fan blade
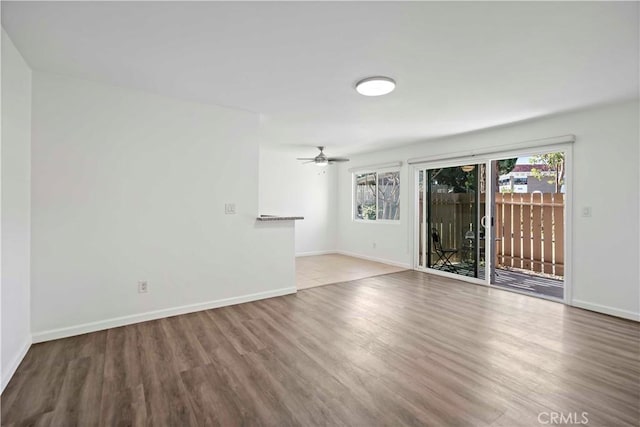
(306, 158)
(310, 161)
(338, 159)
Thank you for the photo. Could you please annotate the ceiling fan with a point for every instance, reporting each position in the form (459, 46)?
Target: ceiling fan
(322, 160)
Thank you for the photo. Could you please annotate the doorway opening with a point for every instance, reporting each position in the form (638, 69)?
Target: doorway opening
(529, 212)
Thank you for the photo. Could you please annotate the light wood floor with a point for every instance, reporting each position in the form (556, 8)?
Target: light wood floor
(321, 270)
(401, 349)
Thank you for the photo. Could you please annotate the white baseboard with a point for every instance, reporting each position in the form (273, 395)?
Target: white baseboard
(626, 314)
(13, 366)
(314, 253)
(115, 322)
(380, 260)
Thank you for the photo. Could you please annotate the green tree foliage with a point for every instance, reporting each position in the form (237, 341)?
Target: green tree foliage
(454, 177)
(462, 182)
(505, 166)
(554, 162)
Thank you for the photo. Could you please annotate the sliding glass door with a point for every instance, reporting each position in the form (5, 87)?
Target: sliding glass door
(499, 223)
(451, 204)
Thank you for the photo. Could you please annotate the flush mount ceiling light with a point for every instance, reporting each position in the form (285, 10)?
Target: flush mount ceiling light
(375, 86)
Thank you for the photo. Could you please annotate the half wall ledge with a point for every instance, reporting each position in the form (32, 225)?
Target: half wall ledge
(278, 218)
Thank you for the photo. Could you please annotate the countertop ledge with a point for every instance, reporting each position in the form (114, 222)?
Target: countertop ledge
(278, 218)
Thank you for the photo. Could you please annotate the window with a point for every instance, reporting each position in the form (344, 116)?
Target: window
(520, 181)
(377, 196)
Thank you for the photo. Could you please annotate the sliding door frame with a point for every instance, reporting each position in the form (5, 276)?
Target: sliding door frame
(532, 149)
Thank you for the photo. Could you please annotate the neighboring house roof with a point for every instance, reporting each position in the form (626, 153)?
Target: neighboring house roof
(527, 168)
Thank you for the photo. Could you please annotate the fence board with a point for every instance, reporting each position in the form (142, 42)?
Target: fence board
(547, 234)
(536, 229)
(516, 224)
(558, 237)
(526, 233)
(507, 234)
(499, 246)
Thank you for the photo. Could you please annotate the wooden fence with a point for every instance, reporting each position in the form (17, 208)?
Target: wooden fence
(529, 228)
(530, 232)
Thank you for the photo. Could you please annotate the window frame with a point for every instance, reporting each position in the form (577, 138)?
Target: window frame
(354, 191)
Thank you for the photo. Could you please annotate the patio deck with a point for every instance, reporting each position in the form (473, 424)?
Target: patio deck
(530, 283)
(523, 282)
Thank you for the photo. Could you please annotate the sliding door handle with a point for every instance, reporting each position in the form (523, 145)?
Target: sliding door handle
(483, 222)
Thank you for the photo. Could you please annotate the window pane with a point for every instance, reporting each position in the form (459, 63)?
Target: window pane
(520, 181)
(389, 195)
(365, 196)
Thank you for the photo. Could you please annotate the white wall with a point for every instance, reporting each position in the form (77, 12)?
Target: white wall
(130, 186)
(16, 205)
(289, 187)
(605, 246)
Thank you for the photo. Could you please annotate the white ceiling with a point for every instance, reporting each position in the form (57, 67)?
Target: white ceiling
(459, 66)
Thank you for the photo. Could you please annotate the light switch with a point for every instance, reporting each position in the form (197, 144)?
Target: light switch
(586, 211)
(230, 208)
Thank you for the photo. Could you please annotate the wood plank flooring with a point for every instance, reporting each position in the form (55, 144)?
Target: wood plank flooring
(406, 348)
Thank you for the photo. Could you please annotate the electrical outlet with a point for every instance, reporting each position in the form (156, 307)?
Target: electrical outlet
(230, 208)
(374, 245)
(143, 286)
